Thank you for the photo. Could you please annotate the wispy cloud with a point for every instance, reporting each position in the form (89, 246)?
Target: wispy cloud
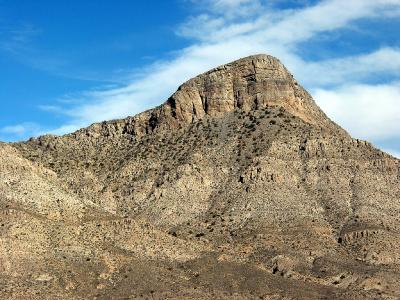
(19, 42)
(230, 9)
(224, 30)
(367, 111)
(20, 131)
(356, 68)
(17, 38)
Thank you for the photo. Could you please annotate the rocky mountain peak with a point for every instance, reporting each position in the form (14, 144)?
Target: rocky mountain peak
(247, 84)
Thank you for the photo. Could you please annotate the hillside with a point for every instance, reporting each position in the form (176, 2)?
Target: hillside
(237, 187)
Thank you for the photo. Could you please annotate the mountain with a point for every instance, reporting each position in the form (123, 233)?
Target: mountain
(237, 187)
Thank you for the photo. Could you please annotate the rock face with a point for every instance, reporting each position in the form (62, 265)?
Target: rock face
(247, 84)
(237, 187)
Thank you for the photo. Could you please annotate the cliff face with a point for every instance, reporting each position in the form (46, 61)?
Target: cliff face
(250, 83)
(237, 186)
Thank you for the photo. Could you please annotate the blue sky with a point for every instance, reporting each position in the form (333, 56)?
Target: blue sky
(67, 64)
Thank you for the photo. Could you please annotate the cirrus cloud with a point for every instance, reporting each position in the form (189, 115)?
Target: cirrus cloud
(367, 111)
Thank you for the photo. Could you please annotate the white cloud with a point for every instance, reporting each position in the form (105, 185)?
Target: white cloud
(327, 16)
(230, 8)
(287, 27)
(20, 131)
(231, 3)
(16, 129)
(200, 27)
(366, 111)
(341, 70)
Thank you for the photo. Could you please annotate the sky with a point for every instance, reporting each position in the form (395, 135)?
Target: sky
(67, 64)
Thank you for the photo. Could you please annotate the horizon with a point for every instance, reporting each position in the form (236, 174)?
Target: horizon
(63, 71)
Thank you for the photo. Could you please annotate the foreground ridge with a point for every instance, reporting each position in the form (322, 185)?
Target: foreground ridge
(238, 186)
